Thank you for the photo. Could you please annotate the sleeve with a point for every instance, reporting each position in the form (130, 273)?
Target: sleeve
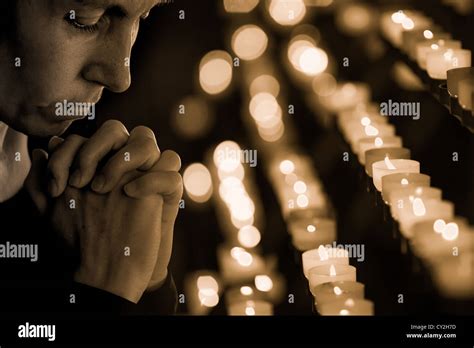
(162, 301)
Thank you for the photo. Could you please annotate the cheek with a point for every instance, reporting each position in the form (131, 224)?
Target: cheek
(53, 62)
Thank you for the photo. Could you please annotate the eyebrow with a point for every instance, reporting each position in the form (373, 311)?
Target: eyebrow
(115, 9)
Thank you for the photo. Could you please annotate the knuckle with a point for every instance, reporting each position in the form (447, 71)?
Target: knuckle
(116, 127)
(176, 180)
(173, 157)
(146, 131)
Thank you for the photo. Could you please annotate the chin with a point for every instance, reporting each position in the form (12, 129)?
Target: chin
(43, 128)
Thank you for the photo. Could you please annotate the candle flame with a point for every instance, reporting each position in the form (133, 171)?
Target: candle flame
(323, 253)
(450, 231)
(434, 47)
(311, 228)
(337, 290)
(249, 311)
(407, 23)
(428, 34)
(246, 290)
(439, 225)
(398, 17)
(404, 181)
(287, 167)
(389, 163)
(365, 121)
(371, 131)
(419, 207)
(344, 312)
(349, 302)
(448, 55)
(378, 142)
(332, 271)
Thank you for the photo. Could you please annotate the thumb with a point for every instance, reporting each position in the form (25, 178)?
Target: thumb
(35, 183)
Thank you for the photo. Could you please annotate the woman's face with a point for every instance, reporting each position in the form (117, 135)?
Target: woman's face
(68, 50)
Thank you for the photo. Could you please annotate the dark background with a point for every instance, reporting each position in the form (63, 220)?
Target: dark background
(164, 69)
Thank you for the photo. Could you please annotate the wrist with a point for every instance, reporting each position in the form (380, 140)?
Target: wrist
(126, 288)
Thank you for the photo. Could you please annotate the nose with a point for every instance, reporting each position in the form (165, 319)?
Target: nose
(110, 62)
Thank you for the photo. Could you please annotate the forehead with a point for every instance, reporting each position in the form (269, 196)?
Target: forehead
(130, 8)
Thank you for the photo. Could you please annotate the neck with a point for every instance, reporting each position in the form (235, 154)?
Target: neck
(14, 161)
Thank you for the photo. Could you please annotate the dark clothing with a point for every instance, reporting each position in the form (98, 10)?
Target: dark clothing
(47, 285)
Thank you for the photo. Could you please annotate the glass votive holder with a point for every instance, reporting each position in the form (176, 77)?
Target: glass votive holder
(310, 233)
(454, 275)
(323, 255)
(419, 210)
(455, 76)
(375, 155)
(396, 181)
(401, 198)
(465, 92)
(330, 273)
(440, 61)
(378, 142)
(392, 166)
(350, 306)
(329, 292)
(425, 47)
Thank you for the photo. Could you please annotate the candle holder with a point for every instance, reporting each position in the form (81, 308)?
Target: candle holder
(444, 95)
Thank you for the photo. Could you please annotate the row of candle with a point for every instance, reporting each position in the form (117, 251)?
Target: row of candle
(445, 242)
(304, 204)
(433, 49)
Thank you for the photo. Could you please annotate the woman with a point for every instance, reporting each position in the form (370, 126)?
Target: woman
(104, 206)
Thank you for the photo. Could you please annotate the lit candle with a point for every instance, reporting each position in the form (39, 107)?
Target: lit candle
(392, 166)
(401, 180)
(371, 110)
(366, 144)
(440, 61)
(350, 306)
(324, 256)
(239, 265)
(393, 24)
(328, 292)
(347, 96)
(453, 276)
(400, 198)
(465, 92)
(375, 155)
(435, 239)
(419, 209)
(242, 294)
(421, 36)
(457, 75)
(428, 46)
(308, 234)
(355, 131)
(202, 292)
(330, 273)
(250, 308)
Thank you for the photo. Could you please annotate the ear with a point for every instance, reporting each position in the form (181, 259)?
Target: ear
(35, 183)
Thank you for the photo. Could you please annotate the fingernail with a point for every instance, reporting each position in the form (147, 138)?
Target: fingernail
(98, 183)
(53, 188)
(75, 179)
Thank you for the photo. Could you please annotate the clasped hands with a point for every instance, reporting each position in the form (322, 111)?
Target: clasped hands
(115, 197)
